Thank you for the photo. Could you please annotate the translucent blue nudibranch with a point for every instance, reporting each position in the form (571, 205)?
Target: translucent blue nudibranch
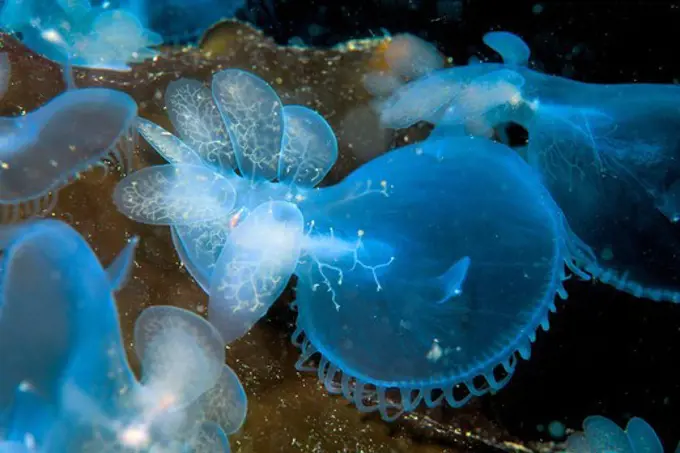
(240, 147)
(454, 245)
(37, 350)
(601, 435)
(78, 33)
(608, 153)
(68, 385)
(428, 271)
(46, 149)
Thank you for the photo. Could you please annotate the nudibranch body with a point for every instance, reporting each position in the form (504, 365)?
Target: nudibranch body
(68, 385)
(81, 34)
(44, 150)
(240, 147)
(607, 153)
(428, 271)
(602, 435)
(429, 268)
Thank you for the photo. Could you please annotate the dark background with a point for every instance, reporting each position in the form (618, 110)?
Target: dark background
(606, 353)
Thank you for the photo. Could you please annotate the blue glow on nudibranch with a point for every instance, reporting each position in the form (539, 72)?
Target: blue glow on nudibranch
(44, 150)
(309, 148)
(37, 350)
(167, 145)
(215, 128)
(454, 278)
(197, 120)
(603, 435)
(13, 447)
(52, 27)
(175, 195)
(422, 261)
(253, 114)
(594, 146)
(80, 34)
(254, 267)
(388, 248)
(68, 386)
(513, 49)
(430, 267)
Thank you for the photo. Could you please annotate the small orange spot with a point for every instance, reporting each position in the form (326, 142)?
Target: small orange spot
(166, 402)
(235, 219)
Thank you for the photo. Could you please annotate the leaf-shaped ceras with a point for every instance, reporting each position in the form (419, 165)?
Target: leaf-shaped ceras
(175, 195)
(259, 257)
(169, 341)
(309, 147)
(198, 122)
(253, 114)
